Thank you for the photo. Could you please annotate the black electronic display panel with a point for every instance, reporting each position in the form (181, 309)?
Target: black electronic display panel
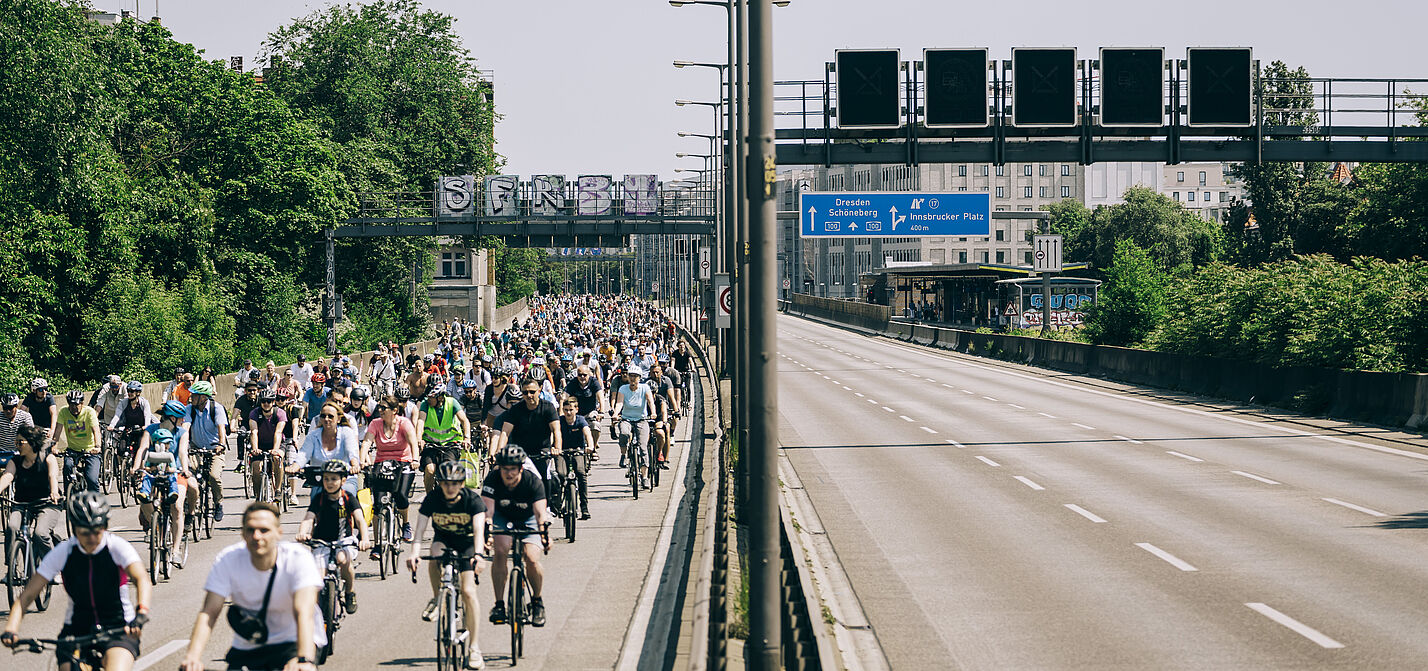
(1220, 86)
(1132, 87)
(869, 88)
(1043, 87)
(956, 88)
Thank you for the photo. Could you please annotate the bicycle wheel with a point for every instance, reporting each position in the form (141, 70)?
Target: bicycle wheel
(164, 547)
(332, 604)
(32, 564)
(444, 634)
(153, 549)
(106, 466)
(121, 483)
(517, 603)
(380, 538)
(653, 464)
(572, 491)
(15, 577)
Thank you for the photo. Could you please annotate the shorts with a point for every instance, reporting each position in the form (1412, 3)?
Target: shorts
(439, 455)
(319, 552)
(125, 641)
(263, 658)
(499, 521)
(465, 547)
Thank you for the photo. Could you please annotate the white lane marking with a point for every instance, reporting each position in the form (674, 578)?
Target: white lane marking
(160, 653)
(1252, 476)
(989, 398)
(927, 430)
(905, 418)
(859, 394)
(948, 385)
(847, 388)
(824, 376)
(901, 370)
(931, 380)
(888, 409)
(1183, 455)
(1129, 440)
(1172, 559)
(968, 391)
(987, 461)
(1350, 506)
(1296, 626)
(1016, 406)
(1085, 513)
(943, 358)
(1028, 483)
(956, 444)
(872, 401)
(1088, 428)
(1046, 415)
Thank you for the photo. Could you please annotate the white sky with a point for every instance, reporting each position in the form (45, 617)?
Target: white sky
(587, 86)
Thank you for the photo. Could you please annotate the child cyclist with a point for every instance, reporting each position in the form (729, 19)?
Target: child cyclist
(458, 519)
(334, 515)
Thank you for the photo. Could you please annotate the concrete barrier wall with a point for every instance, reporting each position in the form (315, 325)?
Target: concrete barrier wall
(1395, 399)
(853, 313)
(505, 313)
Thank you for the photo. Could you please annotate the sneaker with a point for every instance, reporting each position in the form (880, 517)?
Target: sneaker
(664, 465)
(375, 556)
(537, 613)
(406, 532)
(218, 512)
(238, 468)
(475, 661)
(351, 603)
(498, 613)
(622, 461)
(584, 515)
(292, 499)
(430, 611)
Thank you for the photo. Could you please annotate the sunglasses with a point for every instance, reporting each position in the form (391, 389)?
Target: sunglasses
(328, 415)
(530, 392)
(88, 533)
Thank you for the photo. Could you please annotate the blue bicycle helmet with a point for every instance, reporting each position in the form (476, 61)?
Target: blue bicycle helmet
(174, 409)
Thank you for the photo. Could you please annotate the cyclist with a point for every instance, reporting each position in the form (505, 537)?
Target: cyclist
(458, 520)
(384, 373)
(208, 430)
(265, 428)
(12, 419)
(80, 426)
(361, 409)
(40, 403)
(96, 567)
(502, 395)
(335, 516)
(314, 397)
(262, 570)
(392, 437)
(173, 417)
(334, 439)
(683, 361)
(162, 440)
(516, 500)
(36, 474)
(302, 371)
(242, 408)
(441, 421)
(576, 438)
(586, 389)
(132, 417)
(287, 384)
(174, 383)
(416, 380)
(472, 404)
(634, 404)
(535, 426)
(666, 411)
(108, 398)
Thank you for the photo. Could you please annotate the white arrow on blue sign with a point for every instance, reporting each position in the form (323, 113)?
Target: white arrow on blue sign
(901, 214)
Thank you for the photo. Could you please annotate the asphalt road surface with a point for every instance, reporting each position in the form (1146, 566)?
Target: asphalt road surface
(992, 516)
(593, 590)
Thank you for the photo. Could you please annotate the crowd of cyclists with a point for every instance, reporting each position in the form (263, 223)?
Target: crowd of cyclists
(501, 426)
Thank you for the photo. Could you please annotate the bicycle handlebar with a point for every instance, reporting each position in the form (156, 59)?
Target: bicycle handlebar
(71, 642)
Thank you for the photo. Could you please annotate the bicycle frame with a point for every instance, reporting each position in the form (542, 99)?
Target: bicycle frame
(451, 639)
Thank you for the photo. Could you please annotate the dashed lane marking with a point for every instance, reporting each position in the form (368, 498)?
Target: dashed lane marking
(927, 430)
(1088, 428)
(1085, 513)
(1129, 440)
(1252, 476)
(1169, 558)
(1183, 455)
(1027, 481)
(987, 461)
(1350, 506)
(1296, 626)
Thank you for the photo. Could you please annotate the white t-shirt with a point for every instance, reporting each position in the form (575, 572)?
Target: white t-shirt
(234, 578)
(120, 551)
(303, 374)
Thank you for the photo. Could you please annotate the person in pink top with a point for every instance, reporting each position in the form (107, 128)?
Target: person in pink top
(393, 437)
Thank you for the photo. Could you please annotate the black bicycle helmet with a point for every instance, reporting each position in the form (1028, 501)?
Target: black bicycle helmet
(267, 397)
(361, 392)
(88, 510)
(451, 471)
(511, 455)
(337, 466)
(402, 394)
(10, 400)
(435, 385)
(75, 396)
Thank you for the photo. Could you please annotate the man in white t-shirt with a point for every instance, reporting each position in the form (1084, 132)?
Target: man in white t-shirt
(241, 573)
(302, 372)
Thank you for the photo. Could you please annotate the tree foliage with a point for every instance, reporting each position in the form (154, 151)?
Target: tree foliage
(1172, 235)
(1131, 302)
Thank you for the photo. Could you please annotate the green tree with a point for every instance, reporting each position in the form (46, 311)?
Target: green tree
(1131, 303)
(1170, 234)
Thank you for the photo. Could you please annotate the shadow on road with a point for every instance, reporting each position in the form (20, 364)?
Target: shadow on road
(1418, 520)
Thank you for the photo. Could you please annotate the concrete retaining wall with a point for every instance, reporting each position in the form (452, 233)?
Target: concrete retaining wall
(1394, 399)
(505, 313)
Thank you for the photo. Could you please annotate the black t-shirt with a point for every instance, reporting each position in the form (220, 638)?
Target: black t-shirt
(682, 360)
(451, 522)
(474, 406)
(587, 396)
(531, 428)
(243, 408)
(515, 504)
(333, 517)
(572, 436)
(43, 411)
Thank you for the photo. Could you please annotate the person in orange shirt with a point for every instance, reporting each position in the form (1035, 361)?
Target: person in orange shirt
(181, 391)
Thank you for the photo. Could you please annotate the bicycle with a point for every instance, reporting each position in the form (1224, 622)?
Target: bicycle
(570, 493)
(329, 599)
(108, 458)
(241, 436)
(203, 514)
(83, 652)
(451, 639)
(162, 549)
(517, 586)
(634, 455)
(385, 478)
(20, 558)
(260, 472)
(450, 450)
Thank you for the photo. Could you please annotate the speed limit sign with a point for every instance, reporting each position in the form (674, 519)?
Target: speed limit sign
(723, 301)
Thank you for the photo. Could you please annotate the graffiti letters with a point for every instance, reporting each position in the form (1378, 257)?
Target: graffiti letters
(595, 193)
(501, 195)
(640, 194)
(454, 195)
(547, 194)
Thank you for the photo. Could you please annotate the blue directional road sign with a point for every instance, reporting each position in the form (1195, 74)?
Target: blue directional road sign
(899, 214)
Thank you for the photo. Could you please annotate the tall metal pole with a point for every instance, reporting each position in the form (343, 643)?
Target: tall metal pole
(739, 276)
(765, 591)
(330, 291)
(732, 158)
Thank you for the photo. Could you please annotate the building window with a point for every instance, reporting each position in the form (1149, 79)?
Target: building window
(1043, 191)
(1041, 170)
(453, 264)
(1001, 192)
(1180, 177)
(961, 239)
(961, 257)
(1065, 170)
(1207, 196)
(961, 171)
(1001, 171)
(1026, 258)
(1001, 235)
(985, 257)
(1224, 196)
(1065, 192)
(1175, 195)
(1025, 192)
(1202, 178)
(1189, 196)
(1001, 256)
(1025, 208)
(984, 170)
(1026, 170)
